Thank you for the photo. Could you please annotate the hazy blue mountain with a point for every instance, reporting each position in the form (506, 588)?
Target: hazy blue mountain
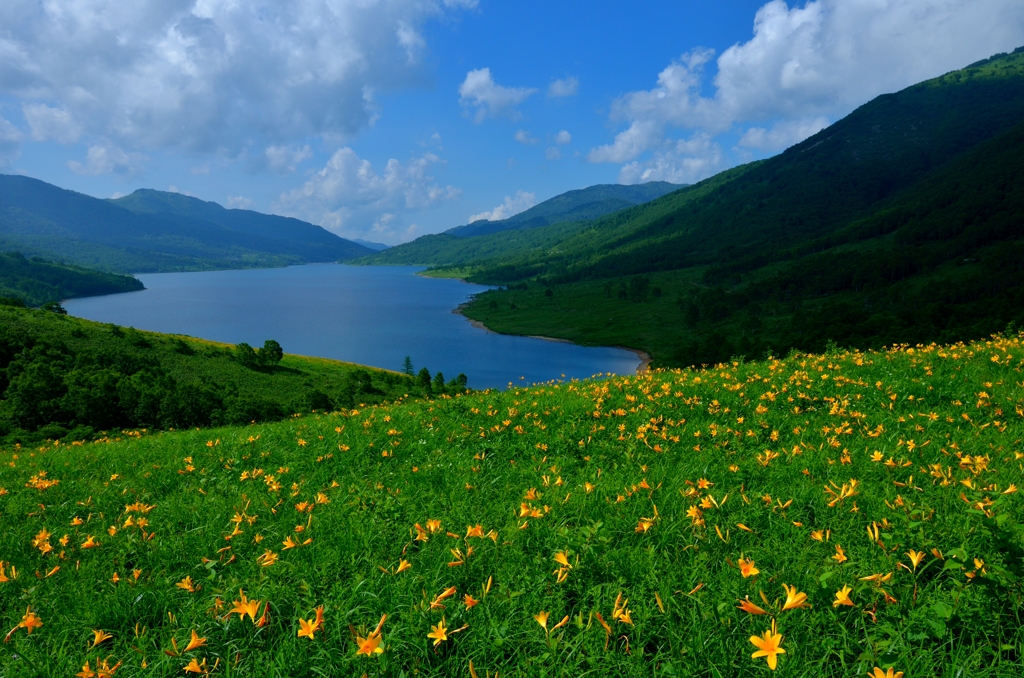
(520, 233)
(578, 205)
(155, 231)
(378, 246)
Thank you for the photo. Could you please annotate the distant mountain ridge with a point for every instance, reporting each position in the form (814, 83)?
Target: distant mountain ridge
(462, 242)
(152, 230)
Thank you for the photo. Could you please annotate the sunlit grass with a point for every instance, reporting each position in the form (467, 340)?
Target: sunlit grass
(866, 503)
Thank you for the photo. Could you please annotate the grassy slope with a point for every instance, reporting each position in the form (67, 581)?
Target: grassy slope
(653, 487)
(37, 281)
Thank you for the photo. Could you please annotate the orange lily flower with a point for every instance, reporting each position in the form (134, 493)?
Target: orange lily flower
(843, 597)
(750, 607)
(794, 598)
(747, 568)
(98, 636)
(195, 642)
(439, 633)
(769, 645)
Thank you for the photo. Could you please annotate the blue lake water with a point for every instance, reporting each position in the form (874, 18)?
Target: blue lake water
(372, 315)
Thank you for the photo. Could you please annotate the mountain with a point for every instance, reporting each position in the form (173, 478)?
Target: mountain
(37, 281)
(467, 242)
(372, 245)
(155, 231)
(900, 223)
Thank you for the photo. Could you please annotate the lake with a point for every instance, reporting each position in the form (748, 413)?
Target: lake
(372, 315)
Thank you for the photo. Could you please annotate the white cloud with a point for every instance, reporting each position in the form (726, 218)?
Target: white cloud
(210, 74)
(805, 64)
(46, 123)
(239, 202)
(480, 91)
(285, 159)
(511, 207)
(680, 162)
(782, 135)
(553, 153)
(565, 87)
(563, 138)
(10, 141)
(350, 198)
(108, 159)
(524, 137)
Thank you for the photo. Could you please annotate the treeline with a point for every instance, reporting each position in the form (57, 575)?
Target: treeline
(65, 378)
(37, 281)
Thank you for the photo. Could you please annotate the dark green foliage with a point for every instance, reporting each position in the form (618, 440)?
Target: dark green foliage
(154, 231)
(37, 281)
(62, 377)
(407, 366)
(423, 380)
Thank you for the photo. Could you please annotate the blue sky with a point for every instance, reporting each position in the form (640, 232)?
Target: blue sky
(388, 119)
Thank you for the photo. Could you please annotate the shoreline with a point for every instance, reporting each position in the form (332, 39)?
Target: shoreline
(643, 356)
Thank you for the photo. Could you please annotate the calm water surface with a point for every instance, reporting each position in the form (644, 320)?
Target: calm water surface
(372, 315)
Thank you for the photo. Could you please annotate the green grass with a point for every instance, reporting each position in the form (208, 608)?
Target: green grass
(739, 461)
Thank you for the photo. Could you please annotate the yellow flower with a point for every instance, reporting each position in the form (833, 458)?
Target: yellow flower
(370, 645)
(542, 619)
(915, 557)
(187, 585)
(98, 636)
(747, 568)
(840, 555)
(245, 606)
(879, 673)
(439, 633)
(195, 642)
(794, 598)
(843, 597)
(470, 601)
(403, 565)
(307, 629)
(769, 645)
(562, 560)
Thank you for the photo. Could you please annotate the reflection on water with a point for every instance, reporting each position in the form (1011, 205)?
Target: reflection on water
(372, 315)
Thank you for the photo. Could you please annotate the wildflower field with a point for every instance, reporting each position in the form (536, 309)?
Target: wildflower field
(818, 515)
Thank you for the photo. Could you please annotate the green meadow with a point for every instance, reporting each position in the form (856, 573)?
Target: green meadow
(849, 511)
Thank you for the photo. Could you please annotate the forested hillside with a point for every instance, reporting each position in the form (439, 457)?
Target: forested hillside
(37, 281)
(901, 222)
(63, 377)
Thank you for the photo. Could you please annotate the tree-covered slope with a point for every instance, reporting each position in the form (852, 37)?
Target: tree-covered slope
(64, 377)
(844, 173)
(517, 233)
(37, 281)
(37, 218)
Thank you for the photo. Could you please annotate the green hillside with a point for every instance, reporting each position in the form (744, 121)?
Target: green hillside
(37, 281)
(519, 233)
(64, 377)
(901, 222)
(154, 231)
(843, 514)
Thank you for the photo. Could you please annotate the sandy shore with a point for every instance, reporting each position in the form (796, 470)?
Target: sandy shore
(645, 358)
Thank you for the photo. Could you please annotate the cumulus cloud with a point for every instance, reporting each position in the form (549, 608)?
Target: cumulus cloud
(565, 87)
(680, 162)
(511, 207)
(563, 137)
(348, 196)
(239, 202)
(479, 91)
(553, 153)
(805, 64)
(10, 141)
(782, 135)
(209, 74)
(48, 123)
(108, 159)
(524, 137)
(285, 159)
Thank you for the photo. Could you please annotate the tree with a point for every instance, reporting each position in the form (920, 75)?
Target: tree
(54, 307)
(439, 382)
(245, 355)
(270, 354)
(407, 366)
(423, 379)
